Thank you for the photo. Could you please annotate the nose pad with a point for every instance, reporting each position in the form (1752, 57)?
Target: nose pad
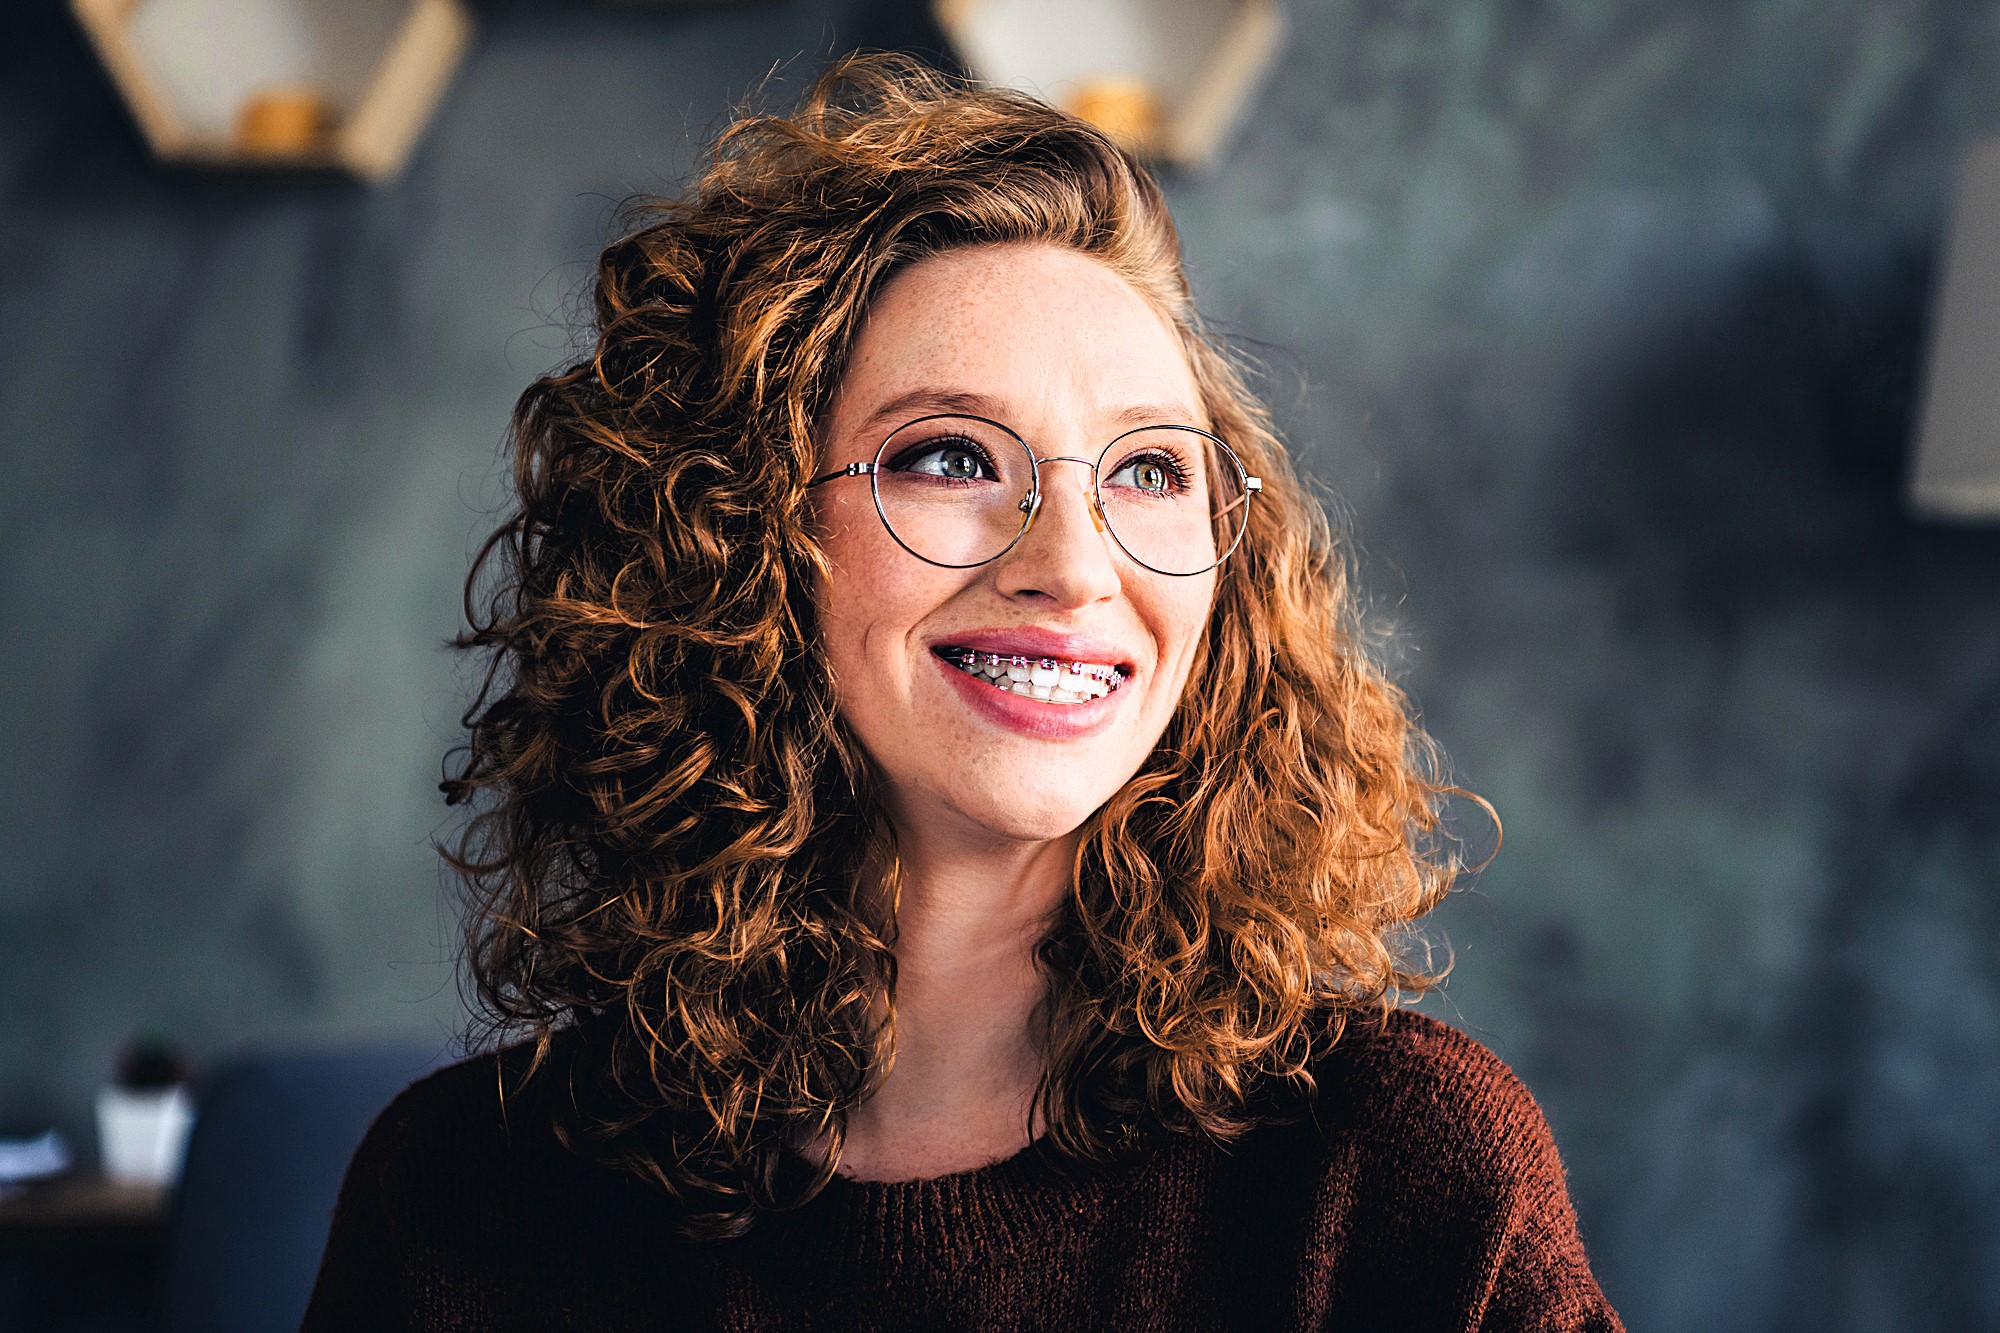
(1031, 505)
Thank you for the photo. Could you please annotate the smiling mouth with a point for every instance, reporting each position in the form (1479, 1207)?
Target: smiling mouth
(1049, 680)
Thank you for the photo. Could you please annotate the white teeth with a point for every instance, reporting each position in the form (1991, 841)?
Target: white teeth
(1045, 679)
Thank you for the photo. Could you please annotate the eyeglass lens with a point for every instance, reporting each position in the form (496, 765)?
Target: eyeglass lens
(954, 490)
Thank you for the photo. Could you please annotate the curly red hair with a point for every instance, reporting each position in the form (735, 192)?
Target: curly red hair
(676, 845)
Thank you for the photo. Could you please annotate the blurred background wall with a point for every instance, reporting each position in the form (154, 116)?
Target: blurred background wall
(1602, 322)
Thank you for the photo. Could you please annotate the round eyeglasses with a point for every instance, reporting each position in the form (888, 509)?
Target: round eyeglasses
(960, 491)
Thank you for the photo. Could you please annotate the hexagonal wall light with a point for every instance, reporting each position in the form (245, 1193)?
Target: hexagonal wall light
(345, 85)
(1169, 79)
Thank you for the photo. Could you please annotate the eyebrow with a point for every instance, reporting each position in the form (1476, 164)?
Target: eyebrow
(905, 407)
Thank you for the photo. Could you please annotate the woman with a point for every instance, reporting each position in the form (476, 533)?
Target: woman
(938, 831)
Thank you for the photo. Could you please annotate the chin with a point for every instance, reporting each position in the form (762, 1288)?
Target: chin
(1043, 817)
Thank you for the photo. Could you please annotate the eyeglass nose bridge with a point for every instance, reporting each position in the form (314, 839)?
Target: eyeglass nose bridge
(1031, 504)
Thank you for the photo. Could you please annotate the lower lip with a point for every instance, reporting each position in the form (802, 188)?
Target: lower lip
(1032, 717)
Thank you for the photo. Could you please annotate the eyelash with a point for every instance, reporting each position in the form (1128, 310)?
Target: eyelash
(1175, 468)
(924, 448)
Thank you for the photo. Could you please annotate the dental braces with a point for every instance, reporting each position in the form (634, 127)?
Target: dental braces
(971, 658)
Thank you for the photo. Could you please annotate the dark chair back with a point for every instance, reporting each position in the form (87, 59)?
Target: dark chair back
(272, 1136)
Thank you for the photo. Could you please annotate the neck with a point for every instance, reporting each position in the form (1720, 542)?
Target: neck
(960, 1092)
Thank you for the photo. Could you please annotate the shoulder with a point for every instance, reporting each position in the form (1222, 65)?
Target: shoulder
(461, 1198)
(1437, 1160)
(1407, 1064)
(463, 1121)
(448, 1105)
(1433, 1103)
(469, 1150)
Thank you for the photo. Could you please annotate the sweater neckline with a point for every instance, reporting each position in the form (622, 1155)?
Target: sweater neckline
(1007, 1206)
(1023, 1160)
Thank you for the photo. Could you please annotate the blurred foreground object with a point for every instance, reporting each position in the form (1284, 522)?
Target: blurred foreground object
(1166, 78)
(1957, 472)
(344, 85)
(143, 1119)
(263, 1173)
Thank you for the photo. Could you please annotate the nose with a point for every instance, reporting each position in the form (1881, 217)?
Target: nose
(1065, 557)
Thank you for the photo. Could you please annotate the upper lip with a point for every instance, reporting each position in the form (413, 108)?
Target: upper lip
(1033, 641)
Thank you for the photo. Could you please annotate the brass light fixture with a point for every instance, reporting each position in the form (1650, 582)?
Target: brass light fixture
(341, 85)
(1170, 79)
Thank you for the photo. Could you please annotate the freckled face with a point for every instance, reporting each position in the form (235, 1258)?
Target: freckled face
(1066, 353)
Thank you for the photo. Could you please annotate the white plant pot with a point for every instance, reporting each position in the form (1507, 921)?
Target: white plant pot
(142, 1133)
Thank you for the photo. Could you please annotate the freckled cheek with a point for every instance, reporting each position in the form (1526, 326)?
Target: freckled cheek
(847, 617)
(861, 645)
(873, 607)
(870, 686)
(1181, 622)
(860, 559)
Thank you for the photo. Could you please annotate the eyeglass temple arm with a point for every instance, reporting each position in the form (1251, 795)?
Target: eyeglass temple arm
(1251, 485)
(851, 470)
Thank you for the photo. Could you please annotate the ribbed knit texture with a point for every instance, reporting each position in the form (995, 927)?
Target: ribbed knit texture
(1424, 1193)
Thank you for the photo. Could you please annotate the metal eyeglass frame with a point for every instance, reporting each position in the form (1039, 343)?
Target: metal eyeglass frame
(1031, 504)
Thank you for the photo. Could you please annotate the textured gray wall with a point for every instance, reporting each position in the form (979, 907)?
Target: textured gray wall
(1603, 319)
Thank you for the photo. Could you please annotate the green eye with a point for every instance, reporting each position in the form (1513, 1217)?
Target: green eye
(1150, 476)
(952, 462)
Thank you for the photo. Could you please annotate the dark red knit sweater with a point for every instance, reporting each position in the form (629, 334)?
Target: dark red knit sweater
(1424, 1194)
